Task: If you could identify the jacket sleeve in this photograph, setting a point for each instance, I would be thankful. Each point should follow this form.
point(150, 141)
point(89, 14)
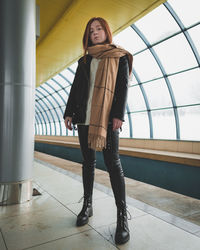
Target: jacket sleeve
point(121, 89)
point(70, 106)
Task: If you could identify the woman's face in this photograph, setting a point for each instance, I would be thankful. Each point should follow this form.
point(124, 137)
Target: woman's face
point(97, 33)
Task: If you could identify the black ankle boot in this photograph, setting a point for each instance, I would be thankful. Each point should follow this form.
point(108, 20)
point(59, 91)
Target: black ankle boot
point(86, 212)
point(122, 231)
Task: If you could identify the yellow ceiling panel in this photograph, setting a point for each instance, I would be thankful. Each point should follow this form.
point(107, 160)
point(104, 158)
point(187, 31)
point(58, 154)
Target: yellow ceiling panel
point(50, 13)
point(63, 23)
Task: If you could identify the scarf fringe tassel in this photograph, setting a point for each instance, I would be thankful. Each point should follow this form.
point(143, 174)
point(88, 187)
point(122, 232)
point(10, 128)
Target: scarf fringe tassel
point(96, 142)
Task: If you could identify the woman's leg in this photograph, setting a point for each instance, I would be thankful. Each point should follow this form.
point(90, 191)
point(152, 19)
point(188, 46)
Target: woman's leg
point(89, 164)
point(114, 167)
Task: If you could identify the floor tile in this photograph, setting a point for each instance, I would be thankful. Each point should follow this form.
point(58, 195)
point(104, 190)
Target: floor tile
point(88, 240)
point(2, 244)
point(194, 218)
point(38, 227)
point(40, 170)
point(150, 233)
point(40, 202)
point(185, 225)
point(100, 191)
point(104, 211)
point(197, 234)
point(46, 175)
point(180, 207)
point(62, 187)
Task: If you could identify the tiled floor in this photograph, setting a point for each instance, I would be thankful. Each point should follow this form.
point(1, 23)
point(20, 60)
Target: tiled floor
point(48, 220)
point(173, 203)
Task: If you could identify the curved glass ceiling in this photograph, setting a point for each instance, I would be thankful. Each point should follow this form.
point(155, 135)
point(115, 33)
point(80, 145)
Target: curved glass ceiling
point(164, 92)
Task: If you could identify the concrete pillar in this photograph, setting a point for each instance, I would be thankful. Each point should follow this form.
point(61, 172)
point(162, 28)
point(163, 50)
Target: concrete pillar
point(17, 86)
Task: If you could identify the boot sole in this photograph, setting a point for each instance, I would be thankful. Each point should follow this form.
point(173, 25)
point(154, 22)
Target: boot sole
point(121, 242)
point(82, 223)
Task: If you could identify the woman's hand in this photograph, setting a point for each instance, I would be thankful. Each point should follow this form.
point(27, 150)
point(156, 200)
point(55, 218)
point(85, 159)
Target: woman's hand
point(68, 122)
point(117, 123)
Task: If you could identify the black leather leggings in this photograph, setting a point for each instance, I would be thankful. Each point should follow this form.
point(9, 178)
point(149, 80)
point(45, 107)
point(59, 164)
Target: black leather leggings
point(111, 159)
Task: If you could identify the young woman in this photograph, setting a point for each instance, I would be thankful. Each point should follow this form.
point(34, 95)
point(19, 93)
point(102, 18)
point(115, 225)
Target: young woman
point(97, 104)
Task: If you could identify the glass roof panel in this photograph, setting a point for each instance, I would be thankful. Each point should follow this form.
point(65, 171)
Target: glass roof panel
point(158, 94)
point(38, 95)
point(58, 132)
point(39, 129)
point(186, 87)
point(164, 124)
point(60, 80)
point(64, 131)
point(54, 114)
point(146, 67)
point(53, 102)
point(48, 129)
point(66, 73)
point(50, 115)
point(155, 30)
point(53, 129)
point(44, 101)
point(195, 35)
point(38, 108)
point(133, 44)
point(140, 124)
point(53, 84)
point(59, 112)
point(63, 108)
point(45, 107)
point(135, 99)
point(175, 54)
point(58, 99)
point(43, 92)
point(74, 66)
point(45, 117)
point(49, 89)
point(189, 123)
point(187, 10)
point(132, 80)
point(63, 94)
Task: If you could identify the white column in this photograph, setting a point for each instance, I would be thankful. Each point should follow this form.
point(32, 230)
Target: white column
point(17, 86)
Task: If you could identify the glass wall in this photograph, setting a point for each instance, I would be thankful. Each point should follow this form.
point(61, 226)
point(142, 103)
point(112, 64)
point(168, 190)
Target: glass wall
point(164, 92)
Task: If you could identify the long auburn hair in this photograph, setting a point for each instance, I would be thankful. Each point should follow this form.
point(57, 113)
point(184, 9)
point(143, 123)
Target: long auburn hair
point(86, 37)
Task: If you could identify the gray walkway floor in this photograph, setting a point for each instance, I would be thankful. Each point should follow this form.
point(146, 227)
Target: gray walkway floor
point(48, 220)
point(182, 206)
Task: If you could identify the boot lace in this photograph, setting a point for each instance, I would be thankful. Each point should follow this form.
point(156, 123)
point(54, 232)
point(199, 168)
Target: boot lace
point(86, 200)
point(122, 221)
point(123, 214)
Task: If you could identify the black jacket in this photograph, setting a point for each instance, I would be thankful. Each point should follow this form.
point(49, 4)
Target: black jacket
point(77, 101)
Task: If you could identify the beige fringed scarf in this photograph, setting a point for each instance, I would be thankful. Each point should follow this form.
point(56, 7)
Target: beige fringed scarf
point(104, 88)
